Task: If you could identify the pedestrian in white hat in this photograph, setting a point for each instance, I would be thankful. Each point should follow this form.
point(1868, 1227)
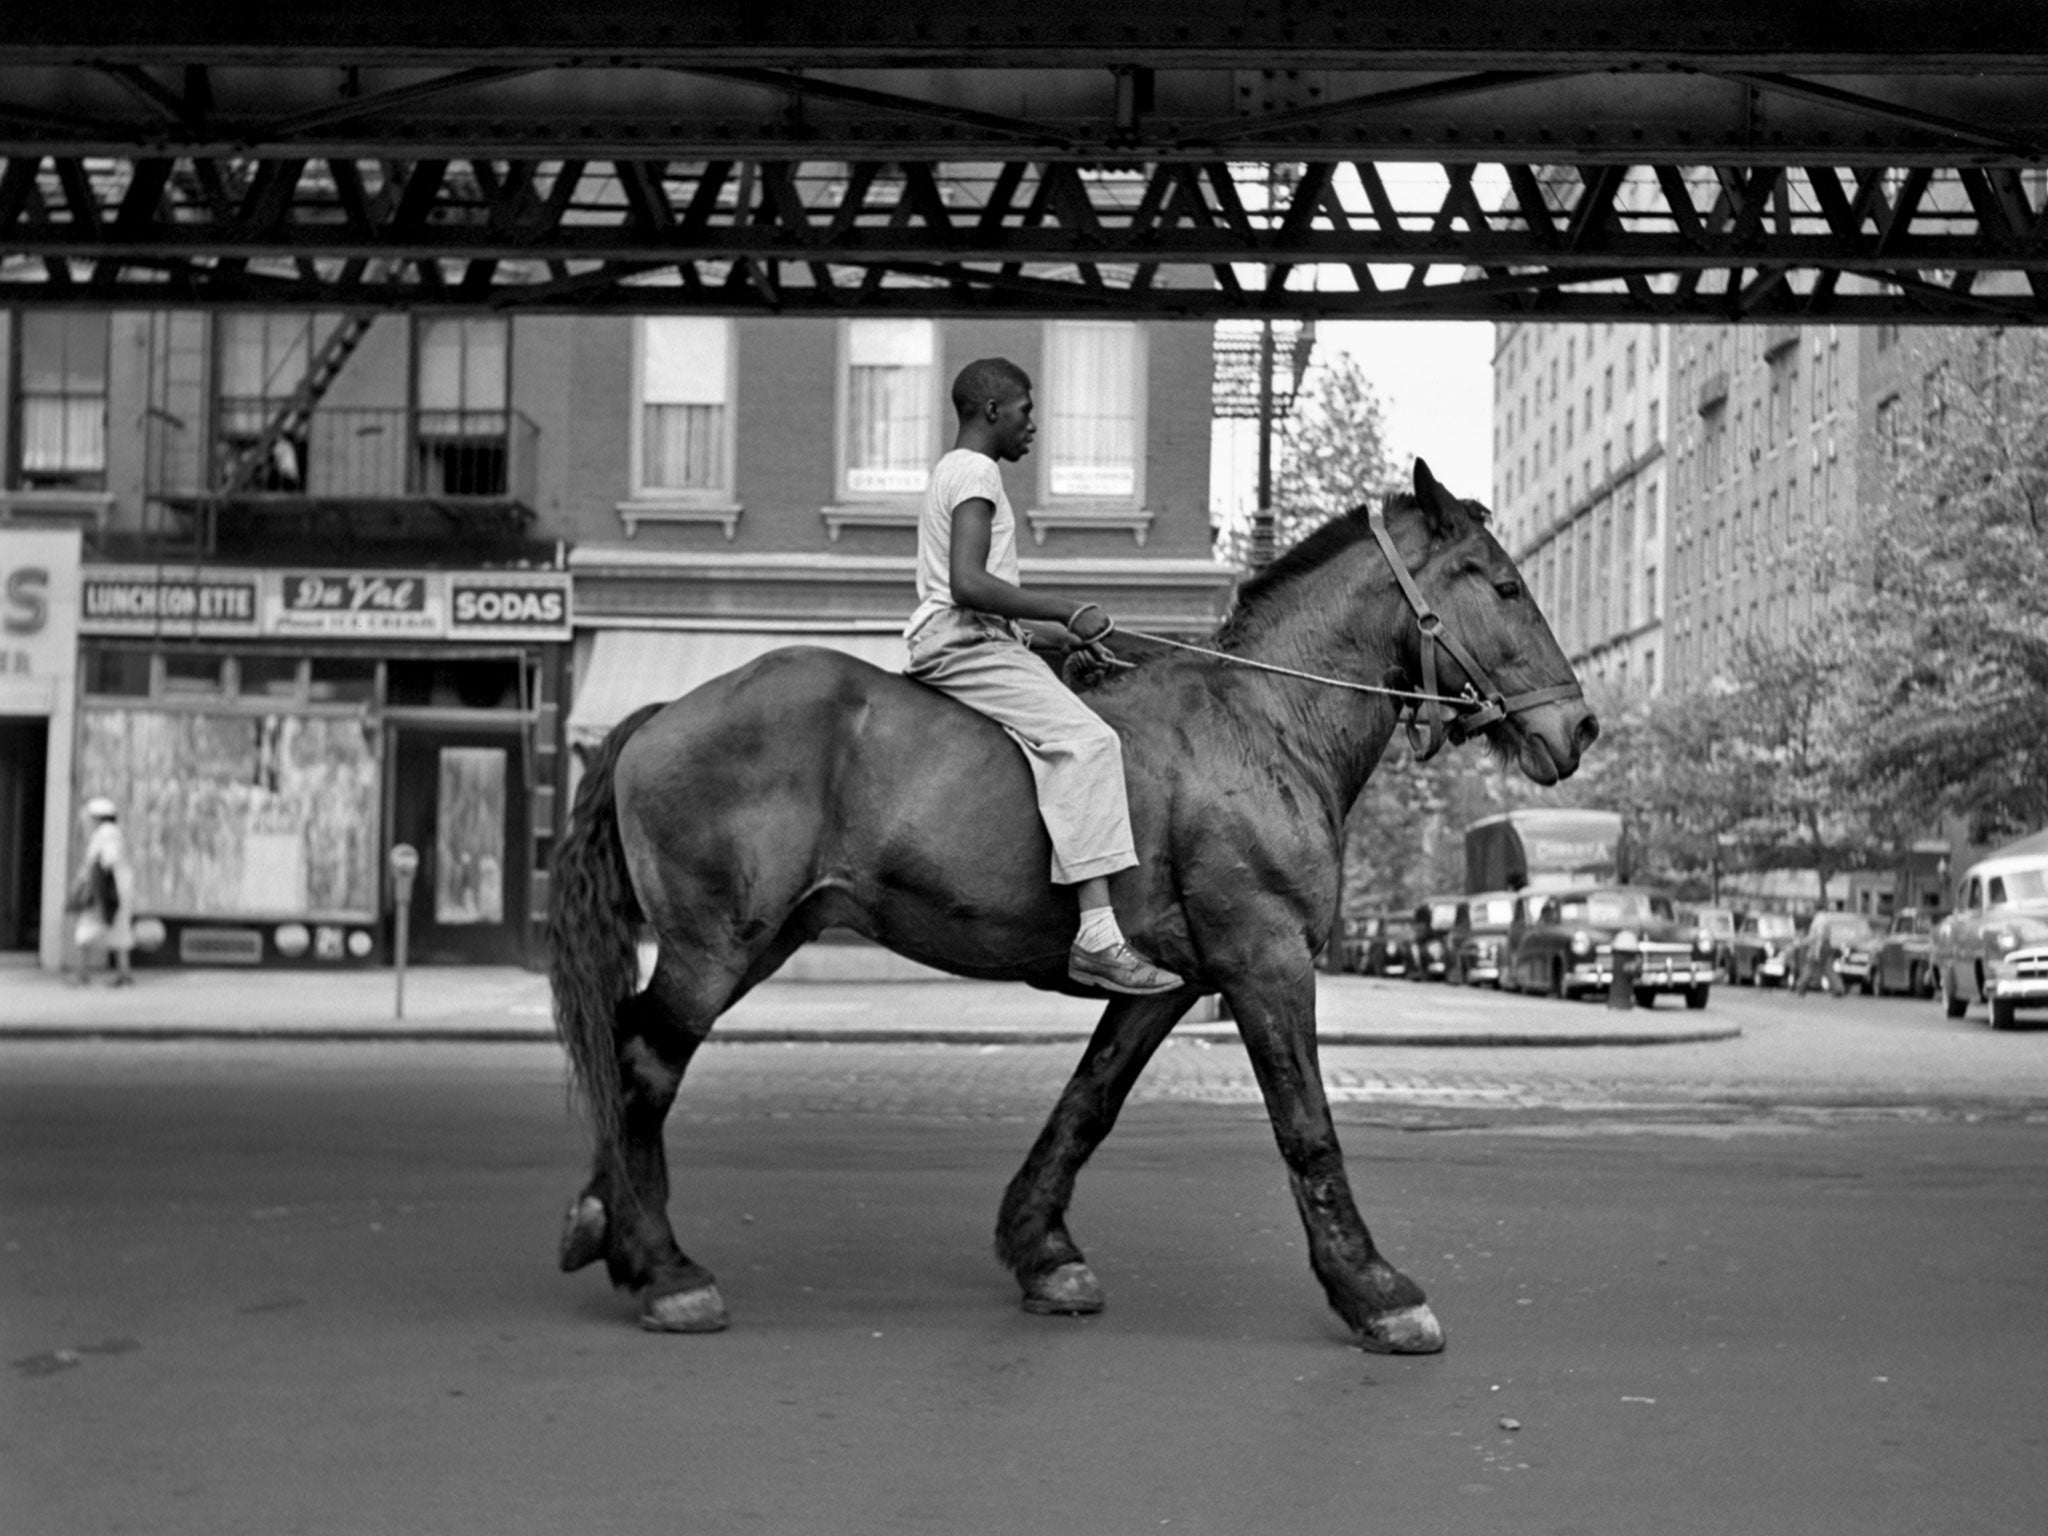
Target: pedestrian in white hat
point(103, 895)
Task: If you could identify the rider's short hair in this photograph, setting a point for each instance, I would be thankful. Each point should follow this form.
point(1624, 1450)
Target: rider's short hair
point(988, 379)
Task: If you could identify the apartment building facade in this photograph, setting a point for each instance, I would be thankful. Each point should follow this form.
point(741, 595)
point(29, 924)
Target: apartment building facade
point(307, 586)
point(1582, 487)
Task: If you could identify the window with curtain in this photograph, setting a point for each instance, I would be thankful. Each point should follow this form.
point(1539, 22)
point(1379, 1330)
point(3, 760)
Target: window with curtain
point(685, 373)
point(1091, 389)
point(464, 377)
point(63, 392)
point(891, 417)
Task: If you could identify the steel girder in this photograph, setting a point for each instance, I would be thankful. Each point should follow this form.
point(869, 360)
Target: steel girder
point(1867, 159)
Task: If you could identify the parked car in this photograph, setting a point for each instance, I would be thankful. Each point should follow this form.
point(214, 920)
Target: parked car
point(1760, 954)
point(1719, 923)
point(1528, 908)
point(1434, 920)
point(1378, 944)
point(1994, 946)
point(1569, 950)
point(1902, 962)
point(1479, 936)
point(1833, 937)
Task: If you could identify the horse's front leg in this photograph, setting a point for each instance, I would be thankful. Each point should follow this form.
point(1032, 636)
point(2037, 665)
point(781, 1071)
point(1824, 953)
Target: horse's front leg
point(1031, 1229)
point(1275, 1005)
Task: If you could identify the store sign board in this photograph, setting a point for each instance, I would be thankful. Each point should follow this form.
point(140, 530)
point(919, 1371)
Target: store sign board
point(38, 617)
point(152, 600)
point(375, 603)
point(508, 607)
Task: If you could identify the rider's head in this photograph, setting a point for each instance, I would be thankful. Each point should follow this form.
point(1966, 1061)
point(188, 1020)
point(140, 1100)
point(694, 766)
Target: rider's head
point(992, 397)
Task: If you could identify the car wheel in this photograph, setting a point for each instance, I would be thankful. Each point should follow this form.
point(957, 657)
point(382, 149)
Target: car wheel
point(1952, 1005)
point(1695, 998)
point(1646, 997)
point(2003, 1014)
point(1557, 978)
point(1870, 986)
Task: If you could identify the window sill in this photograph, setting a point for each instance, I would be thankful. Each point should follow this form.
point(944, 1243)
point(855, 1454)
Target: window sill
point(1136, 521)
point(652, 510)
point(92, 507)
point(868, 514)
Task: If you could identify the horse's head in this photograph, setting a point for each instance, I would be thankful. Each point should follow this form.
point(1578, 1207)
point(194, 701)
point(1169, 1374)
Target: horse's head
point(1489, 614)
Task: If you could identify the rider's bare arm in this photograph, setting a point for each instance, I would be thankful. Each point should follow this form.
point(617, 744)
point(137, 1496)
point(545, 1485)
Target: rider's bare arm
point(975, 587)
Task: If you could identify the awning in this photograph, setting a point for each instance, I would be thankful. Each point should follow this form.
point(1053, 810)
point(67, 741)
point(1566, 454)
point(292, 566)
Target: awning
point(631, 667)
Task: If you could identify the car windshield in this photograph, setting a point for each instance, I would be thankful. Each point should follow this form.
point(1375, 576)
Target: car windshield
point(1609, 909)
point(1850, 930)
point(1912, 922)
point(1500, 911)
point(1442, 914)
point(1774, 925)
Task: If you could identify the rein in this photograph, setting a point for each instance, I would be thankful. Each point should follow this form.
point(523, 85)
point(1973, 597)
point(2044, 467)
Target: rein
point(1426, 732)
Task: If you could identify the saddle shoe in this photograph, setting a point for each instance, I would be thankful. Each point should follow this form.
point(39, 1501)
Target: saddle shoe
point(1120, 969)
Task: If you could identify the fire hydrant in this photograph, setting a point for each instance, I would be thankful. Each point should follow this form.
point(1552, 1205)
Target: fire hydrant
point(1623, 968)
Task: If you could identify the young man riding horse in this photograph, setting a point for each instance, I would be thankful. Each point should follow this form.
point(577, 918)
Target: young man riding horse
point(966, 641)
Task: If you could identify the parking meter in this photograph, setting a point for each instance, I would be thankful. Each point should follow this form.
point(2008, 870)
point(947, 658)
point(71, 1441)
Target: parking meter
point(405, 864)
point(1623, 967)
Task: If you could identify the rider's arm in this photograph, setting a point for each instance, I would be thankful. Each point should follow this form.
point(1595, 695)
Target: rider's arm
point(975, 586)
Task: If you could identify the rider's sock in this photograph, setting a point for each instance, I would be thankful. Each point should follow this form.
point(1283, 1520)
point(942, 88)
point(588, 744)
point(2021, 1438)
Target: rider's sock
point(1099, 930)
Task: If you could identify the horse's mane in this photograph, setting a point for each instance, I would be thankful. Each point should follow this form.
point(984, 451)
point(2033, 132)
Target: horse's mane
point(1328, 541)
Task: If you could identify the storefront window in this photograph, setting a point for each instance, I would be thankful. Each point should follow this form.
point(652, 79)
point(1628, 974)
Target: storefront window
point(247, 814)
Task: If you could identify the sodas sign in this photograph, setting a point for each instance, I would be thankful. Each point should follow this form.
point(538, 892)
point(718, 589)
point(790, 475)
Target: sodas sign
point(529, 608)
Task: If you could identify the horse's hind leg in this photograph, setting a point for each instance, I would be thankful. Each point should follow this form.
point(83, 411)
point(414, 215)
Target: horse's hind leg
point(658, 1031)
point(1031, 1229)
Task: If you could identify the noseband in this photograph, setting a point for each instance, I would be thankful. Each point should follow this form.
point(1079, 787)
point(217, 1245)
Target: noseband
point(1481, 703)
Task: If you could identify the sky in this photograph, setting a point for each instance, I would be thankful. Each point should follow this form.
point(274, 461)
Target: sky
point(1435, 383)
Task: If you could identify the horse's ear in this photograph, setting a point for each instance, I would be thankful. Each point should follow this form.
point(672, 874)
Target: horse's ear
point(1438, 505)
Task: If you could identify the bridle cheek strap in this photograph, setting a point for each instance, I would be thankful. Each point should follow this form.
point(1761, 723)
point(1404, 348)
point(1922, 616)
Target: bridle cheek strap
point(1427, 725)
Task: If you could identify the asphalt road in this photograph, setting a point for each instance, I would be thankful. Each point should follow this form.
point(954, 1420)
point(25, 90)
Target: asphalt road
point(1786, 1283)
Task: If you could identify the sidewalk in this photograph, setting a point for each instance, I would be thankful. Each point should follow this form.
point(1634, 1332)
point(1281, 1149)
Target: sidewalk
point(501, 1003)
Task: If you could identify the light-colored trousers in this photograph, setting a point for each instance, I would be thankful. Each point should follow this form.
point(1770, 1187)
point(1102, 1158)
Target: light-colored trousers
point(1076, 760)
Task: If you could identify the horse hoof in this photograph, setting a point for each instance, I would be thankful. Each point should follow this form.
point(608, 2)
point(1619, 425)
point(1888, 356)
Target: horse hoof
point(1068, 1291)
point(1410, 1331)
point(583, 1233)
point(698, 1311)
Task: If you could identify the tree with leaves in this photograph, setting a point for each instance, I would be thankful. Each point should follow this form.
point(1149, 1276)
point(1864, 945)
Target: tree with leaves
point(1952, 636)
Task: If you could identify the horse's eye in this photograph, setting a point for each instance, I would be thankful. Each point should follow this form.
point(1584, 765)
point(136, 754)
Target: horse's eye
point(1508, 590)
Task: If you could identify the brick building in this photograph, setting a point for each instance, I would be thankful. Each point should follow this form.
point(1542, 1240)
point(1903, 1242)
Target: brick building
point(348, 581)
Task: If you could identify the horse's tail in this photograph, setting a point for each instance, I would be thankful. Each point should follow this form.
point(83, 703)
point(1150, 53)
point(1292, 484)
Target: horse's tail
point(593, 947)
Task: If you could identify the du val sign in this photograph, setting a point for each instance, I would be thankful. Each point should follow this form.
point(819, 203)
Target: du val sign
point(357, 603)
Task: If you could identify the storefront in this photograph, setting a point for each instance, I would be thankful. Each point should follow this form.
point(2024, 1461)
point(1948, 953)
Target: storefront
point(38, 660)
point(269, 735)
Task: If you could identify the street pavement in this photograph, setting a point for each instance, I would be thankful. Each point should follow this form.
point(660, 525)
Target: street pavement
point(1784, 1280)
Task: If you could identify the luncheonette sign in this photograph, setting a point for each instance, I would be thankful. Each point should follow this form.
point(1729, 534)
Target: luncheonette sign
point(419, 605)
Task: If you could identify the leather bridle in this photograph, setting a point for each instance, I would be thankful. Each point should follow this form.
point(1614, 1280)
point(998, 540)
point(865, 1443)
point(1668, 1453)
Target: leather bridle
point(1425, 720)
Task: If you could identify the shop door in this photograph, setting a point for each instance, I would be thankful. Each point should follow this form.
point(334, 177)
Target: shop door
point(24, 760)
point(459, 797)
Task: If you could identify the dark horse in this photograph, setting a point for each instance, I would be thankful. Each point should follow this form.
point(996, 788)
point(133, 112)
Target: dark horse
point(808, 789)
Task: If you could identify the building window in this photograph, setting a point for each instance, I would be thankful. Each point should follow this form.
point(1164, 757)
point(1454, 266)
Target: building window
point(1094, 408)
point(685, 421)
point(62, 388)
point(263, 359)
point(464, 390)
point(890, 416)
point(1888, 428)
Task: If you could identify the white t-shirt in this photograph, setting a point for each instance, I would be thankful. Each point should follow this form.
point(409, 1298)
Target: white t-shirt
point(961, 475)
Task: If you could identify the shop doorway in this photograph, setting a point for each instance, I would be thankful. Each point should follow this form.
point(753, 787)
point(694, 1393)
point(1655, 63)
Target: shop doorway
point(459, 797)
point(24, 763)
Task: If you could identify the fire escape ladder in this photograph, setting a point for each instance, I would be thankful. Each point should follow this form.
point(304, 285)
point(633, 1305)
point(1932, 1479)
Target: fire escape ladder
point(296, 412)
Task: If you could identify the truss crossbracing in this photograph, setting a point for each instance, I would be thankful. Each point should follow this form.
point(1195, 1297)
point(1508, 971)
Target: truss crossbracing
point(1299, 239)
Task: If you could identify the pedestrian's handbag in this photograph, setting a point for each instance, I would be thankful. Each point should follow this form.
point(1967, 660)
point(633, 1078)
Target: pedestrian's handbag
point(94, 891)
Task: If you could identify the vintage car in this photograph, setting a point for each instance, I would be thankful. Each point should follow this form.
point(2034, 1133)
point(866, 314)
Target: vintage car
point(1569, 950)
point(1434, 920)
point(1841, 939)
point(1378, 944)
point(1994, 947)
point(1479, 937)
point(1720, 925)
point(1760, 954)
point(1900, 962)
